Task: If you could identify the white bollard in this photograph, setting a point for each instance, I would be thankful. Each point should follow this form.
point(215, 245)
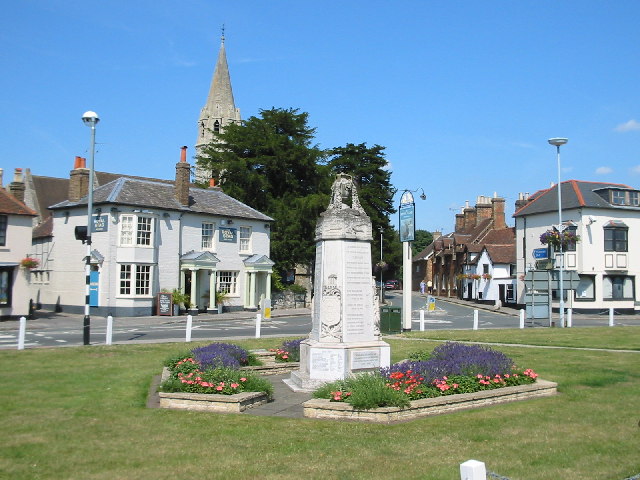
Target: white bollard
point(421, 320)
point(22, 332)
point(258, 324)
point(612, 322)
point(473, 470)
point(569, 317)
point(189, 325)
point(109, 330)
point(475, 319)
point(522, 313)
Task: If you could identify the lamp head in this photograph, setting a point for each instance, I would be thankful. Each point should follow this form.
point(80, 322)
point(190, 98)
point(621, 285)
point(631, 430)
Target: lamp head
point(556, 142)
point(90, 118)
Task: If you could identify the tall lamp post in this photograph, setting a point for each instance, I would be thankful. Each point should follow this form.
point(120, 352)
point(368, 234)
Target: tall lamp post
point(381, 265)
point(407, 235)
point(90, 119)
point(558, 142)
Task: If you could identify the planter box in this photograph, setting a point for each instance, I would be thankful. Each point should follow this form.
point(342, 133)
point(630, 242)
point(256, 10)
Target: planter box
point(211, 402)
point(322, 408)
point(270, 366)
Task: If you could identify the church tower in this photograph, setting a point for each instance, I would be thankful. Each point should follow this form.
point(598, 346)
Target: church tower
point(219, 110)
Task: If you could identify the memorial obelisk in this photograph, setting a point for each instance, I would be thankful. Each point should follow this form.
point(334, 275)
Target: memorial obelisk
point(345, 335)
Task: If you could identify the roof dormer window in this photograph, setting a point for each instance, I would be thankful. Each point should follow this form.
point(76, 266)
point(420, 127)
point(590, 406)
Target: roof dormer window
point(617, 197)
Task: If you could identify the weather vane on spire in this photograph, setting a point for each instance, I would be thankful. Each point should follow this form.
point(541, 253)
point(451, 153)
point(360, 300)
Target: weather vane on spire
point(223, 33)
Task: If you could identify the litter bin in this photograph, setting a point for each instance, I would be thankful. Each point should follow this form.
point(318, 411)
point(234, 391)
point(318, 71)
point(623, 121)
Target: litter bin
point(390, 319)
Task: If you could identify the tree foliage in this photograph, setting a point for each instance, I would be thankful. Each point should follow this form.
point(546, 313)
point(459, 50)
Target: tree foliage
point(270, 163)
point(422, 240)
point(368, 167)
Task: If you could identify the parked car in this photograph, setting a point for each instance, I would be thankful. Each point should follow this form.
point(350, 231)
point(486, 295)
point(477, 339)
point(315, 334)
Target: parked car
point(392, 285)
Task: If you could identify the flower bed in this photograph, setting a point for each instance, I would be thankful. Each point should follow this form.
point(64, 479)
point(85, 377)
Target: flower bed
point(327, 409)
point(473, 374)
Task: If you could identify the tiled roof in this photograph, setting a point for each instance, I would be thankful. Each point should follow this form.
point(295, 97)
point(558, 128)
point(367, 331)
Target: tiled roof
point(504, 236)
point(156, 194)
point(502, 253)
point(44, 229)
point(11, 206)
point(424, 253)
point(575, 194)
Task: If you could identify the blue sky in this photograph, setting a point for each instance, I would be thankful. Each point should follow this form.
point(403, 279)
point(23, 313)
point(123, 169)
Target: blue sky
point(463, 95)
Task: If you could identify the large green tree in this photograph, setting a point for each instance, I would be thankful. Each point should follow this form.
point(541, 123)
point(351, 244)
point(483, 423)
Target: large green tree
point(271, 163)
point(368, 167)
point(423, 239)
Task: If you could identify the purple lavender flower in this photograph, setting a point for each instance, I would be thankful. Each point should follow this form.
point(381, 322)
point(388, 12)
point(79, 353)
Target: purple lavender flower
point(221, 355)
point(454, 358)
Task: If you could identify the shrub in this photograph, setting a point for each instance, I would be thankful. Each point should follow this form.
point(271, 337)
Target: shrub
point(289, 351)
point(363, 392)
point(223, 355)
point(220, 380)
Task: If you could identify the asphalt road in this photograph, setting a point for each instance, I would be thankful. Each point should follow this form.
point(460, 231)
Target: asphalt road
point(66, 330)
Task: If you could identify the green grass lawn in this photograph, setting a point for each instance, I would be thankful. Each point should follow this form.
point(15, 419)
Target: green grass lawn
point(79, 413)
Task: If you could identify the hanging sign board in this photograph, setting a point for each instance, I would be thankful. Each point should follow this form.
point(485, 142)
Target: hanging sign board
point(407, 222)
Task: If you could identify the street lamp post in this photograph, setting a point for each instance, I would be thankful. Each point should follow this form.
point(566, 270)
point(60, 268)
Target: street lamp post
point(407, 235)
point(90, 119)
point(558, 142)
point(381, 265)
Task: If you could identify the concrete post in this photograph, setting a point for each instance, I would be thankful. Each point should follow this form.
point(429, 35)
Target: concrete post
point(522, 312)
point(422, 320)
point(475, 319)
point(473, 470)
point(189, 325)
point(109, 330)
point(611, 318)
point(22, 332)
point(258, 324)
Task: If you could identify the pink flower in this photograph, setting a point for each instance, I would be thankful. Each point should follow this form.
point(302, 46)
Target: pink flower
point(235, 385)
point(243, 379)
point(219, 388)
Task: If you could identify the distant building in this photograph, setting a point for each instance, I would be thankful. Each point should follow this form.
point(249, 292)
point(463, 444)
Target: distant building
point(606, 217)
point(476, 261)
point(15, 244)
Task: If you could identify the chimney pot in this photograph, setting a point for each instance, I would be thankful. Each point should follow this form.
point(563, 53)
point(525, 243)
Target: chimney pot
point(183, 155)
point(212, 182)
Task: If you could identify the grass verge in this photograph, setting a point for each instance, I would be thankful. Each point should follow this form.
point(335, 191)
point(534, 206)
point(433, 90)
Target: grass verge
point(79, 413)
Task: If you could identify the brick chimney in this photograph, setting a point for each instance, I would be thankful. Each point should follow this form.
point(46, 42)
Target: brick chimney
point(78, 180)
point(497, 209)
point(523, 199)
point(459, 223)
point(483, 209)
point(470, 216)
point(16, 188)
point(436, 235)
point(183, 178)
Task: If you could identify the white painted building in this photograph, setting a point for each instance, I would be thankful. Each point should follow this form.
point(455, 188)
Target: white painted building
point(489, 275)
point(15, 243)
point(151, 235)
point(606, 217)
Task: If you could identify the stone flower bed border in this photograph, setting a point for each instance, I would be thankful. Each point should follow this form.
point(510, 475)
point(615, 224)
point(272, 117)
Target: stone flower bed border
point(237, 403)
point(326, 409)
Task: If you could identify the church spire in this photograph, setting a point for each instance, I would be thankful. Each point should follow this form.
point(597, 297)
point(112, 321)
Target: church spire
point(220, 109)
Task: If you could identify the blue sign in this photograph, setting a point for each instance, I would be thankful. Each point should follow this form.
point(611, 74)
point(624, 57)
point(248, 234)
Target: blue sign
point(100, 224)
point(228, 234)
point(407, 222)
point(94, 284)
point(540, 253)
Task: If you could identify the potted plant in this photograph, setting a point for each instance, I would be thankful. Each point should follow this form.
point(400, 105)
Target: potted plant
point(221, 299)
point(554, 238)
point(29, 263)
point(181, 299)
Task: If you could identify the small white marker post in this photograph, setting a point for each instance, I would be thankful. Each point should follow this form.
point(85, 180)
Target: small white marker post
point(612, 322)
point(522, 312)
point(475, 319)
point(421, 320)
point(473, 470)
point(569, 317)
point(258, 324)
point(189, 325)
point(109, 330)
point(22, 332)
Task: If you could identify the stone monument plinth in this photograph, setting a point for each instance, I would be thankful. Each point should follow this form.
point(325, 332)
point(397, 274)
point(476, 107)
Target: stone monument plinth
point(345, 335)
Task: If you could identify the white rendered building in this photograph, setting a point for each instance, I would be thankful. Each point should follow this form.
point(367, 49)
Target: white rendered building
point(151, 235)
point(606, 217)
